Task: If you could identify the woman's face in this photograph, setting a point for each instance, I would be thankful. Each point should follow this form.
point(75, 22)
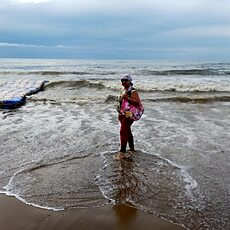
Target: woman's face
point(125, 83)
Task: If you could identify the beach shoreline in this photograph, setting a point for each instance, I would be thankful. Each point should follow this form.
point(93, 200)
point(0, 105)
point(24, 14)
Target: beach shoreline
point(14, 214)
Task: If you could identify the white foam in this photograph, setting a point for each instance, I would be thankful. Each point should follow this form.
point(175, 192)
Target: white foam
point(17, 196)
point(32, 204)
point(183, 86)
point(191, 183)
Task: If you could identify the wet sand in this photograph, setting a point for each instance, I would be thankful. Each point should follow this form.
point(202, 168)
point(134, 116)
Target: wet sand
point(16, 215)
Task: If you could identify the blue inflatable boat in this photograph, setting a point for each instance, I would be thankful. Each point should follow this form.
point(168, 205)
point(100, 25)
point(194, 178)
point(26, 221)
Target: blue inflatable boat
point(13, 94)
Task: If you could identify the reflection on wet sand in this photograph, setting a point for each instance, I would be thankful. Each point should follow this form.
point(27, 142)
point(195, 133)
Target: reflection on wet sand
point(126, 182)
point(127, 189)
point(150, 183)
point(125, 214)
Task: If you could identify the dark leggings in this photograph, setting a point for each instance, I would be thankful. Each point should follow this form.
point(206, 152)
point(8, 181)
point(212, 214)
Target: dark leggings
point(126, 135)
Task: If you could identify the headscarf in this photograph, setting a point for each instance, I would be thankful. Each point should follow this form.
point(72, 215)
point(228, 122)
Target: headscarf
point(127, 77)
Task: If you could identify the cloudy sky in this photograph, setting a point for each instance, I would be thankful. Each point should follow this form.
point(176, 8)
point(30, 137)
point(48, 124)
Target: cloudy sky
point(116, 29)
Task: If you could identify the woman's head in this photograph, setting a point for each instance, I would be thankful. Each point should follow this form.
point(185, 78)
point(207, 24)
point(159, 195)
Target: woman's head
point(126, 80)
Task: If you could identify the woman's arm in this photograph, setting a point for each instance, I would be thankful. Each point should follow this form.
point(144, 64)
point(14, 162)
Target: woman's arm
point(133, 98)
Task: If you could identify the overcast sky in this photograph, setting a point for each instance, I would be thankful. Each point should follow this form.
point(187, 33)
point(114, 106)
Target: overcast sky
point(116, 29)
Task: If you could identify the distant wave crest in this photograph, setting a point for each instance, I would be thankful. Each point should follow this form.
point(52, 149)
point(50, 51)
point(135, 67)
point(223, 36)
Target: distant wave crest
point(200, 72)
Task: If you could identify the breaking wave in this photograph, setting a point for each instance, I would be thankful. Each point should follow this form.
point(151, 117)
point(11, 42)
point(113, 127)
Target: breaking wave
point(198, 100)
point(142, 87)
point(75, 84)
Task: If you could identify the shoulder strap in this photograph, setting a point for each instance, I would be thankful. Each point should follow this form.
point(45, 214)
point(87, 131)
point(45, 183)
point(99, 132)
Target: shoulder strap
point(130, 91)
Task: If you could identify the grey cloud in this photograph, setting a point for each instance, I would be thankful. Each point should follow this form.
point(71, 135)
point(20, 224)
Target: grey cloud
point(119, 26)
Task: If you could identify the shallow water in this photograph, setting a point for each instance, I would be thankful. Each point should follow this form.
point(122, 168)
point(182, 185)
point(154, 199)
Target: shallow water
point(57, 150)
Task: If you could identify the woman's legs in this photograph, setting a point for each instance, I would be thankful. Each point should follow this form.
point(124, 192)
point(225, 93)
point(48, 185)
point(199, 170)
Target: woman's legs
point(126, 135)
point(130, 138)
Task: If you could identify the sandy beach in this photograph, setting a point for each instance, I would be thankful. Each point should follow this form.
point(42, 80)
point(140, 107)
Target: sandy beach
point(14, 214)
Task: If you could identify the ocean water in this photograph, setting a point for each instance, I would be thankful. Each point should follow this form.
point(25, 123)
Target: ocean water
point(57, 150)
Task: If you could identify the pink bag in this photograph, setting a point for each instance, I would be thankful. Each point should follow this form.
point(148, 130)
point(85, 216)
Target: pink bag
point(133, 112)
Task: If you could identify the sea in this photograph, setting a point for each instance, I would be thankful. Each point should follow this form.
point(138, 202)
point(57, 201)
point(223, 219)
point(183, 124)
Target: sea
point(57, 151)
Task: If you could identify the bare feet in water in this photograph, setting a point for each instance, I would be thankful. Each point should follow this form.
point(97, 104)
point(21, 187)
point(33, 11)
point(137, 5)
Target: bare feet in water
point(131, 151)
point(119, 156)
point(123, 155)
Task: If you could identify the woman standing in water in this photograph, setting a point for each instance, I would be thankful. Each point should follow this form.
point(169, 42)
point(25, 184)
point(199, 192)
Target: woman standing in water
point(130, 109)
